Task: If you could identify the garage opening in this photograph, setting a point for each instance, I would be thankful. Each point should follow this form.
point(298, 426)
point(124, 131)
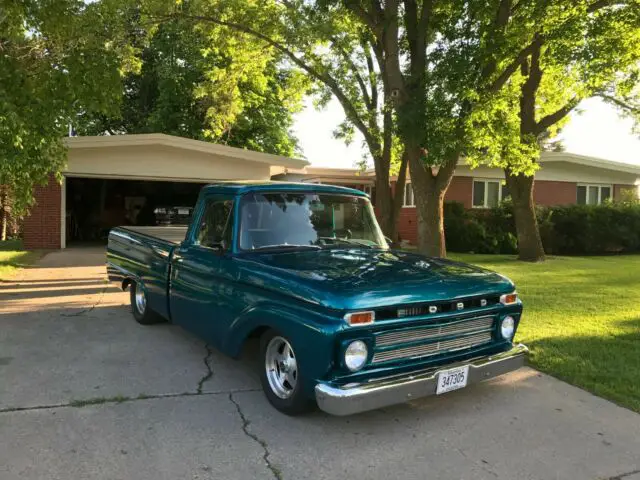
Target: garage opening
point(94, 206)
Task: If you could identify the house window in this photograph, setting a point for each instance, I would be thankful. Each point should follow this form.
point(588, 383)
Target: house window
point(593, 194)
point(409, 201)
point(488, 193)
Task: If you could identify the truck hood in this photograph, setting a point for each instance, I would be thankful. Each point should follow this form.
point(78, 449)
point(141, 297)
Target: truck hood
point(356, 279)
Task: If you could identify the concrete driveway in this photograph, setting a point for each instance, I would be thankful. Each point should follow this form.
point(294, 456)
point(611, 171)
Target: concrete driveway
point(85, 392)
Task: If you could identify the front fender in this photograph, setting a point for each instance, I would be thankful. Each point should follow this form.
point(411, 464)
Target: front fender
point(312, 334)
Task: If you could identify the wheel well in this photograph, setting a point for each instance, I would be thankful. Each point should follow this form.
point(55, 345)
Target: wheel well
point(257, 332)
point(126, 283)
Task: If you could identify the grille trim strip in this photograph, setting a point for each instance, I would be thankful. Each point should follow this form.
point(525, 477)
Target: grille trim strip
point(440, 330)
point(433, 348)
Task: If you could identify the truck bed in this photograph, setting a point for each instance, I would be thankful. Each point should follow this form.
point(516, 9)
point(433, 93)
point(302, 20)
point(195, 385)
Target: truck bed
point(171, 234)
point(144, 254)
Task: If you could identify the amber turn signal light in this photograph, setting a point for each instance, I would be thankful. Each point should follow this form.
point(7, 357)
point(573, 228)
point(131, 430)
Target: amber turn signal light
point(360, 318)
point(509, 298)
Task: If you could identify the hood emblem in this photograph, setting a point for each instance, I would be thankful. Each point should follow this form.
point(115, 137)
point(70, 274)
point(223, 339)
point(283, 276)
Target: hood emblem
point(459, 305)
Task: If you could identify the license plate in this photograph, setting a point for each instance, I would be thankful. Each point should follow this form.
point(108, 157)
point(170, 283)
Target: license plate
point(452, 379)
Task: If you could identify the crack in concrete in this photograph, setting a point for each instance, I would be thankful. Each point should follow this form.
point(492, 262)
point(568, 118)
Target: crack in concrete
point(90, 308)
point(623, 475)
point(209, 373)
point(121, 399)
point(245, 428)
point(483, 466)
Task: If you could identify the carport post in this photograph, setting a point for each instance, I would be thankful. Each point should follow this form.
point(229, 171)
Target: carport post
point(63, 213)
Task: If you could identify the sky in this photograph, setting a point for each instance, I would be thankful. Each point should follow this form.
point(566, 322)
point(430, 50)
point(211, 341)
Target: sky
point(596, 129)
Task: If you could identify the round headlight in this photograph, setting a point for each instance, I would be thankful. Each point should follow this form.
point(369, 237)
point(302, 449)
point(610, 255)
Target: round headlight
point(355, 356)
point(507, 328)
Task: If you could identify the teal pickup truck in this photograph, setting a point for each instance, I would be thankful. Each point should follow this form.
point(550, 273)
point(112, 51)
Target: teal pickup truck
point(344, 322)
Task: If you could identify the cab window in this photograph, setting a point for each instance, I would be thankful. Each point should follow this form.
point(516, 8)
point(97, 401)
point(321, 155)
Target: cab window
point(216, 225)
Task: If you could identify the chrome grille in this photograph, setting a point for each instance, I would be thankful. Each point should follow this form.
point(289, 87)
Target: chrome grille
point(405, 336)
point(433, 348)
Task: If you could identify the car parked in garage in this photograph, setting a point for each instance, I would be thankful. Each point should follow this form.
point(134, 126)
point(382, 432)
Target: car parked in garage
point(343, 320)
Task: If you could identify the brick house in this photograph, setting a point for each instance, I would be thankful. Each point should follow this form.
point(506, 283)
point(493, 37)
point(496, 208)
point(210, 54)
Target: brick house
point(564, 178)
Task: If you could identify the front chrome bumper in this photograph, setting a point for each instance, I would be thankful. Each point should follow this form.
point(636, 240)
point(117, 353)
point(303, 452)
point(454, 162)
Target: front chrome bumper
point(360, 397)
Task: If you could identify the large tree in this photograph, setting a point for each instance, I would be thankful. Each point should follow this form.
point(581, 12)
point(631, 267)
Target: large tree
point(436, 62)
point(577, 50)
point(328, 45)
point(56, 59)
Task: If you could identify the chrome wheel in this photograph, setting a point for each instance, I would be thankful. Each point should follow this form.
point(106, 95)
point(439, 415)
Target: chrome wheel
point(141, 300)
point(281, 367)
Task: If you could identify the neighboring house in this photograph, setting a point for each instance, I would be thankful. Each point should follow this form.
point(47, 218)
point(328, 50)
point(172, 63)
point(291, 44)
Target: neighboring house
point(115, 180)
point(564, 178)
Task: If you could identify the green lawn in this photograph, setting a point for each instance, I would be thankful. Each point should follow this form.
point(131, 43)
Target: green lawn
point(12, 257)
point(581, 319)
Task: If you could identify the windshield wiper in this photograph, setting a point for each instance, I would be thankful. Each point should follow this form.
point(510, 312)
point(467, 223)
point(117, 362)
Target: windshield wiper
point(350, 241)
point(286, 246)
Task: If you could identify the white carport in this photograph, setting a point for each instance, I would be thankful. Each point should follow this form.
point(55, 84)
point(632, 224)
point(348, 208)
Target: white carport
point(158, 158)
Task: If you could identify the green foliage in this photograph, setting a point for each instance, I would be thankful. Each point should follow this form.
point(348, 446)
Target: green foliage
point(585, 49)
point(200, 82)
point(480, 231)
point(594, 229)
point(565, 230)
point(56, 59)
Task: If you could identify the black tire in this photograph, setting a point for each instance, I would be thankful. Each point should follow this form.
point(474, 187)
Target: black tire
point(144, 315)
point(296, 403)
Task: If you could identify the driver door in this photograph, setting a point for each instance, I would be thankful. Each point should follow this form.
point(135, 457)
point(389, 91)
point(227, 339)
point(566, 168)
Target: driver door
point(199, 285)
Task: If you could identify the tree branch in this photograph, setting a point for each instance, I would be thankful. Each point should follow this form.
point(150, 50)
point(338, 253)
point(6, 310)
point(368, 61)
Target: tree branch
point(510, 69)
point(629, 107)
point(600, 4)
point(350, 110)
point(356, 73)
point(500, 21)
point(386, 34)
point(555, 117)
point(411, 24)
point(425, 16)
point(370, 19)
point(372, 74)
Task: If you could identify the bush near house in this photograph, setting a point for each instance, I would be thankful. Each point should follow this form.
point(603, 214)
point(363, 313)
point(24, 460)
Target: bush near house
point(565, 230)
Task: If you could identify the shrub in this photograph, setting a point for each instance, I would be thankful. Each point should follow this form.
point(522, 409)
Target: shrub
point(595, 229)
point(479, 231)
point(565, 230)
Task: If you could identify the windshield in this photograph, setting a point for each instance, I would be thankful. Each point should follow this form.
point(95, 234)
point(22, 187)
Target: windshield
point(307, 220)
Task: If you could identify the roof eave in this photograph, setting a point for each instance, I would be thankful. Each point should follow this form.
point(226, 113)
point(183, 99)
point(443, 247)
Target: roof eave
point(147, 139)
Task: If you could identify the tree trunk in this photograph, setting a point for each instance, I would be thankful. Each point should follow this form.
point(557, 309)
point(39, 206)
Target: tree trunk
point(429, 190)
point(3, 234)
point(530, 247)
point(4, 213)
point(388, 203)
point(384, 202)
point(431, 238)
